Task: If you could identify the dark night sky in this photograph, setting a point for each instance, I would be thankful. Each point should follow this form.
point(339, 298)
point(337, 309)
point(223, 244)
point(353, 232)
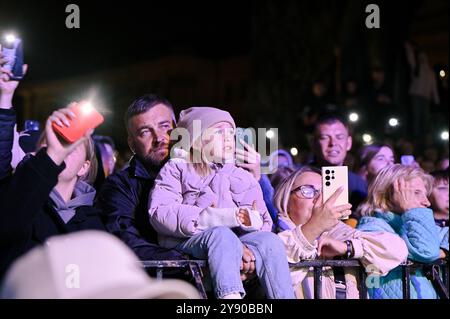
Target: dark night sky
point(288, 43)
point(116, 34)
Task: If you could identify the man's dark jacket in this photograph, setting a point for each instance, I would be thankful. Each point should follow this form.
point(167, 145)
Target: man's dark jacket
point(123, 200)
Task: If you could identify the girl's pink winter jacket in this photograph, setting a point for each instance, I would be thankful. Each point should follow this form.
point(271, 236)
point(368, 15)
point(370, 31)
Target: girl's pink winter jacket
point(180, 195)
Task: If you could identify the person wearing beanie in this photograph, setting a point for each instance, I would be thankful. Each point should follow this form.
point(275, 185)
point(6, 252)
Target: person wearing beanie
point(204, 205)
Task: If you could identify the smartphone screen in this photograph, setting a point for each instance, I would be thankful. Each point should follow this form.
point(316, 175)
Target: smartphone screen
point(87, 118)
point(407, 160)
point(334, 177)
point(12, 50)
point(246, 135)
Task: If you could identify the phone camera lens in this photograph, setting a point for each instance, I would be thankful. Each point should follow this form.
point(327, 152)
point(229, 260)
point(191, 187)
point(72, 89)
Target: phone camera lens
point(327, 183)
point(332, 172)
point(327, 172)
point(332, 177)
point(327, 178)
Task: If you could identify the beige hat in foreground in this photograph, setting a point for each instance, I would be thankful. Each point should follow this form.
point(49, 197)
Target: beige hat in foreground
point(87, 265)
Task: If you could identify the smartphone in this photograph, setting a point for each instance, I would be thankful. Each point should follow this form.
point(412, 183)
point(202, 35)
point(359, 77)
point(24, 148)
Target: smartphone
point(87, 117)
point(334, 177)
point(31, 125)
point(407, 160)
point(12, 50)
point(247, 135)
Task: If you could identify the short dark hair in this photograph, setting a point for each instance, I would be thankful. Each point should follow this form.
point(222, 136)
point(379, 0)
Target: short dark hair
point(330, 118)
point(440, 175)
point(143, 104)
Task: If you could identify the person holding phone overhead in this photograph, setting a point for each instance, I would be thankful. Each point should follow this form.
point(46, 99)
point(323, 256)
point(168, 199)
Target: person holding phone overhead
point(50, 193)
point(12, 56)
point(315, 231)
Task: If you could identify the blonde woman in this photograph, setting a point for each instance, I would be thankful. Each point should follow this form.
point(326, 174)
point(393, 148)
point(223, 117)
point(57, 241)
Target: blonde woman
point(49, 194)
point(399, 204)
point(317, 232)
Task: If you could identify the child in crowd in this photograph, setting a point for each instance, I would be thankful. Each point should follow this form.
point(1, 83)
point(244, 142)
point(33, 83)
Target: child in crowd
point(204, 205)
point(439, 197)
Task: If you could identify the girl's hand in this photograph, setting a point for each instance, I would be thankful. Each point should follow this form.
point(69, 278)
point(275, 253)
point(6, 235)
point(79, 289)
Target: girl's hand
point(249, 159)
point(244, 217)
point(405, 197)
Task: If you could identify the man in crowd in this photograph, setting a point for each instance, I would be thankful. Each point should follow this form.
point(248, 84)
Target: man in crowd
point(332, 141)
point(123, 197)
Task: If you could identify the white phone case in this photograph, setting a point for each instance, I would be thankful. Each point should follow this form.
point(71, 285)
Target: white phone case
point(334, 177)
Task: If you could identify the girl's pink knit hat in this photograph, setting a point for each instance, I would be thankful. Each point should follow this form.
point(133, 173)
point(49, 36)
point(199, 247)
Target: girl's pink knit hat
point(207, 117)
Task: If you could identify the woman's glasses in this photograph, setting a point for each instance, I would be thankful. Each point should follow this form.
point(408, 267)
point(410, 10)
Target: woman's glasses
point(307, 191)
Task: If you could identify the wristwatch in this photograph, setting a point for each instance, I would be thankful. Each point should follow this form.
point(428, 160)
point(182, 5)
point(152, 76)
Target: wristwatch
point(350, 250)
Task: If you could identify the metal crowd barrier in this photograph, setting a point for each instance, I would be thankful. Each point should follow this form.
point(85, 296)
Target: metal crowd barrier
point(317, 266)
point(431, 271)
point(194, 267)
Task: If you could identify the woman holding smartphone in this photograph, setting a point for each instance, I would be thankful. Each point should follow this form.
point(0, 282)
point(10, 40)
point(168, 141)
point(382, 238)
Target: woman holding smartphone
point(315, 231)
point(50, 193)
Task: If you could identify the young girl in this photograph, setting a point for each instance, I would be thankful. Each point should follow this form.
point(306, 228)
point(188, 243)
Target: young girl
point(205, 206)
point(399, 204)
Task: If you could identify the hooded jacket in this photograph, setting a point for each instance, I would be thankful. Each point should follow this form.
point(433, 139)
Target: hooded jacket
point(83, 195)
point(180, 204)
point(123, 200)
point(28, 215)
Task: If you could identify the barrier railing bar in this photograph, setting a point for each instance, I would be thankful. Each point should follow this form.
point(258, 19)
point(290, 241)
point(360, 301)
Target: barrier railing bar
point(317, 282)
point(405, 281)
point(362, 284)
point(407, 267)
point(197, 273)
point(172, 263)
